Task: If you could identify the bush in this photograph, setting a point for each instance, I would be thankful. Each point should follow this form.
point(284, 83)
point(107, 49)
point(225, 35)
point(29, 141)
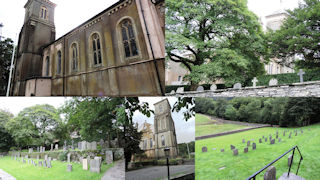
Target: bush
point(63, 155)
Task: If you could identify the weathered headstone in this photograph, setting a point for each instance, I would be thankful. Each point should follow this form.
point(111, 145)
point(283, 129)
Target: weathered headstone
point(40, 163)
point(300, 74)
point(180, 90)
point(69, 157)
point(204, 149)
point(51, 147)
point(49, 163)
point(83, 145)
point(56, 147)
point(72, 144)
point(44, 149)
point(109, 155)
point(277, 136)
point(44, 163)
point(95, 165)
point(248, 143)
point(270, 173)
point(235, 152)
point(237, 86)
point(290, 160)
point(243, 141)
point(245, 150)
point(254, 146)
point(254, 82)
point(94, 145)
point(213, 87)
point(222, 150)
point(172, 92)
point(272, 141)
point(30, 150)
point(273, 82)
point(88, 146)
point(69, 167)
point(38, 150)
point(232, 147)
point(260, 141)
point(200, 89)
point(85, 164)
point(265, 139)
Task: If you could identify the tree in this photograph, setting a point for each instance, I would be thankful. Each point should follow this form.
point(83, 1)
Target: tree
point(6, 140)
point(299, 35)
point(215, 39)
point(5, 116)
point(6, 47)
point(34, 125)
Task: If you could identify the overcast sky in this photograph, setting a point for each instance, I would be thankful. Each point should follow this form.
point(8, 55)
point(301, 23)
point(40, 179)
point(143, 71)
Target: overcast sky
point(71, 13)
point(185, 130)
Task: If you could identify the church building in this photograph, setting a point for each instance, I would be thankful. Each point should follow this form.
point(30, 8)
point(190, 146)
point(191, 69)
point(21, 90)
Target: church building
point(160, 135)
point(119, 52)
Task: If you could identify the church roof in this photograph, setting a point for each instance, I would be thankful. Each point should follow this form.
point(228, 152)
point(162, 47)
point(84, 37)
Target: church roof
point(141, 127)
point(278, 12)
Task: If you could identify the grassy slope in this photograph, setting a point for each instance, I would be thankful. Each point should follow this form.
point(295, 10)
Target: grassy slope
point(207, 129)
point(244, 165)
point(58, 171)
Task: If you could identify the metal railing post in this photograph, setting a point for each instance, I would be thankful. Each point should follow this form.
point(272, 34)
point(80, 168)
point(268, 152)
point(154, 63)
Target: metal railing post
point(291, 161)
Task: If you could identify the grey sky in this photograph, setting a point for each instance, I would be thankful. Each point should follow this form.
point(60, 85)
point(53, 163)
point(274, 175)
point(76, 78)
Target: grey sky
point(68, 14)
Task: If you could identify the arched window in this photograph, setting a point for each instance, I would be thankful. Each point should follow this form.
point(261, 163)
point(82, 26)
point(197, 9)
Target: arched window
point(59, 62)
point(128, 39)
point(163, 142)
point(44, 12)
point(47, 65)
point(74, 56)
point(96, 49)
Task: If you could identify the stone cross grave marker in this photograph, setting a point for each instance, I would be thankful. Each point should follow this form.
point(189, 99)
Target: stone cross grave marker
point(204, 149)
point(232, 147)
point(273, 82)
point(235, 152)
point(200, 89)
point(254, 82)
point(213, 87)
point(270, 173)
point(237, 86)
point(254, 146)
point(245, 150)
point(180, 90)
point(300, 74)
point(109, 156)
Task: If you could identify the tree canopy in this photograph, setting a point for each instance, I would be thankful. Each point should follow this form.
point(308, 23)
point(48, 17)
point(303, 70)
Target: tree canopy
point(299, 35)
point(6, 47)
point(215, 39)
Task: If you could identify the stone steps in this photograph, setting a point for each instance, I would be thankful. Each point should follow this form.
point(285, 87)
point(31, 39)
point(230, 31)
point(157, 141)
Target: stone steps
point(291, 177)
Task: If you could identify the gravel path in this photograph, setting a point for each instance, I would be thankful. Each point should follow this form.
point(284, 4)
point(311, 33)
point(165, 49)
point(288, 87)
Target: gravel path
point(6, 176)
point(117, 172)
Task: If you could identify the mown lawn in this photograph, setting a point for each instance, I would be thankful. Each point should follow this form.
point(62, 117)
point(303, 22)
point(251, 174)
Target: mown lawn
point(202, 128)
point(244, 165)
point(58, 171)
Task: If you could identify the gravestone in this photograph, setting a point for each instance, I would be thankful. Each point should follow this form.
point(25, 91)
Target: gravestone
point(44, 149)
point(248, 143)
point(279, 140)
point(204, 149)
point(277, 136)
point(172, 92)
point(222, 150)
point(301, 131)
point(235, 152)
point(109, 155)
point(79, 146)
point(65, 145)
point(40, 163)
point(200, 89)
point(262, 137)
point(213, 87)
point(69, 157)
point(232, 147)
point(265, 139)
point(101, 143)
point(180, 90)
point(254, 146)
point(38, 150)
point(95, 165)
point(300, 74)
point(30, 150)
point(83, 145)
point(237, 86)
point(245, 150)
point(273, 82)
point(44, 163)
point(243, 141)
point(72, 144)
point(49, 163)
point(289, 136)
point(260, 141)
point(45, 157)
point(290, 160)
point(254, 82)
point(51, 147)
point(69, 167)
point(272, 141)
point(94, 145)
point(56, 147)
point(88, 146)
point(270, 173)
point(85, 164)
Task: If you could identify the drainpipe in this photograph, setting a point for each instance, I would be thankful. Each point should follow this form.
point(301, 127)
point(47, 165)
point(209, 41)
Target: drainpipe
point(154, 60)
point(64, 65)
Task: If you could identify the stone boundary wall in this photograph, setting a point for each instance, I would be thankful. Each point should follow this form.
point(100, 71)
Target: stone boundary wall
point(224, 121)
point(230, 132)
point(305, 89)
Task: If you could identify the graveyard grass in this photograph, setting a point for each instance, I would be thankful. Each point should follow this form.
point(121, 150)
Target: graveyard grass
point(244, 165)
point(27, 171)
point(206, 126)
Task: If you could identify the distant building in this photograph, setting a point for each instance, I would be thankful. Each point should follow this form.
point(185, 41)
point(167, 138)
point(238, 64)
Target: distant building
point(175, 74)
point(161, 135)
point(118, 52)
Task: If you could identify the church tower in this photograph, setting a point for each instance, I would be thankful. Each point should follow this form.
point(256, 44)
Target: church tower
point(165, 133)
point(37, 32)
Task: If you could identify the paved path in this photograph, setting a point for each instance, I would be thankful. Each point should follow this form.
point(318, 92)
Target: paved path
point(158, 172)
point(6, 176)
point(116, 172)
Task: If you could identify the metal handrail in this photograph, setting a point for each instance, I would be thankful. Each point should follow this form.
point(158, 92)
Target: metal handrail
point(292, 149)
